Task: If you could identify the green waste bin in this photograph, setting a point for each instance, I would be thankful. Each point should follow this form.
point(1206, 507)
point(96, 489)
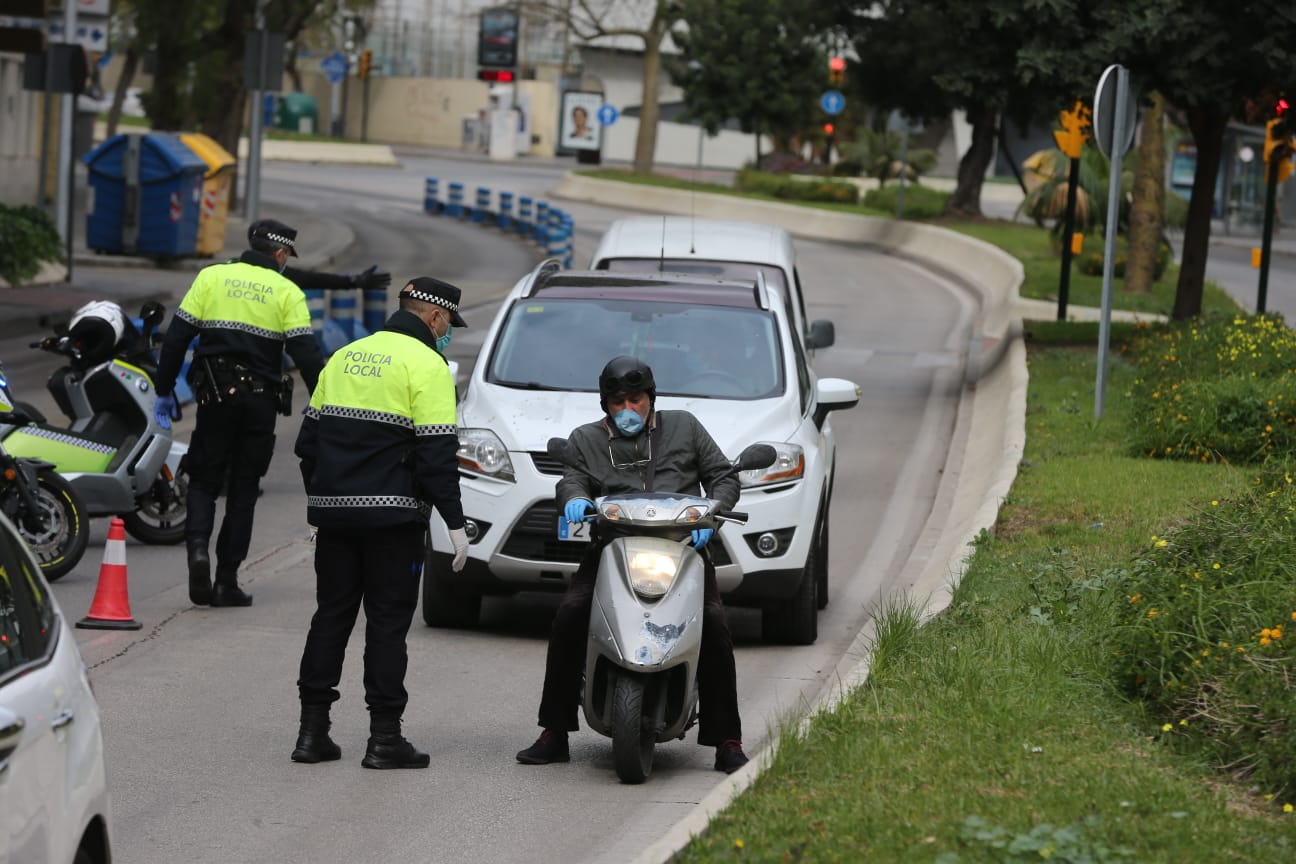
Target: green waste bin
point(298, 112)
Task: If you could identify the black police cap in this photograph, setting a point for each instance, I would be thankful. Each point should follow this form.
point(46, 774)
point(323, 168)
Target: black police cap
point(431, 290)
point(275, 232)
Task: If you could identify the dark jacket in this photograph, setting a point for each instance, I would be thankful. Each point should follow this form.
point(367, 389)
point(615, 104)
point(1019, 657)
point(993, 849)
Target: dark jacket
point(246, 309)
point(687, 460)
point(379, 443)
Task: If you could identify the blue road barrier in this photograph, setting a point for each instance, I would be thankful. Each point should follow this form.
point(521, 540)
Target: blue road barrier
point(482, 207)
point(375, 309)
point(524, 215)
point(454, 207)
point(542, 222)
point(505, 218)
point(430, 202)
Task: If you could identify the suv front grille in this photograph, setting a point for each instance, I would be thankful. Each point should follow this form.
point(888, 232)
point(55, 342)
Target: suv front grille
point(546, 464)
point(534, 538)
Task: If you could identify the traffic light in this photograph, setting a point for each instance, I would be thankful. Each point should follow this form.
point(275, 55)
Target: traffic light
point(1278, 145)
point(836, 70)
point(828, 129)
point(366, 61)
point(497, 76)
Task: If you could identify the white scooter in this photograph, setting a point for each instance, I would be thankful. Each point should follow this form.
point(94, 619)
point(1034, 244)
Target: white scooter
point(645, 630)
point(114, 453)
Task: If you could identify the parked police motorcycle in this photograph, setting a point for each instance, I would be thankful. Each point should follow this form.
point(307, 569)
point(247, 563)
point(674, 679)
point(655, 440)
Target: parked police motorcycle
point(645, 630)
point(39, 501)
point(114, 453)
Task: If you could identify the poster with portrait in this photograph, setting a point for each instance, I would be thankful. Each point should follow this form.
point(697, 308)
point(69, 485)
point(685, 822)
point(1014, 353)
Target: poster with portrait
point(578, 127)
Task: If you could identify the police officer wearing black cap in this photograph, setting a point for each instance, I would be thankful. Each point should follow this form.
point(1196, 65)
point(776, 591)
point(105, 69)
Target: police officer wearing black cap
point(245, 313)
point(371, 279)
point(378, 449)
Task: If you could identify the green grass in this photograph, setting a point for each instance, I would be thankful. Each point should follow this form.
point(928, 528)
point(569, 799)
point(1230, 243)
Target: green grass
point(997, 726)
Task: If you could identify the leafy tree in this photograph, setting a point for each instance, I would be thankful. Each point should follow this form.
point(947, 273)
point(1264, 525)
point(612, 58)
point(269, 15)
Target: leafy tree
point(1207, 59)
point(591, 20)
point(1015, 59)
point(761, 61)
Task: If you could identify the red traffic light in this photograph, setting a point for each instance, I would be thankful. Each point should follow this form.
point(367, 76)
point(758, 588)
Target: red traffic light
point(497, 76)
point(837, 64)
point(828, 128)
point(1281, 108)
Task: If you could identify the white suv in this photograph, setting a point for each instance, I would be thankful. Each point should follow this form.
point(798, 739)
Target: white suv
point(724, 350)
point(53, 793)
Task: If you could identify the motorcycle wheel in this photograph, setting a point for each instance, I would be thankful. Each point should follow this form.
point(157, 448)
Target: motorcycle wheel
point(159, 517)
point(632, 746)
point(64, 529)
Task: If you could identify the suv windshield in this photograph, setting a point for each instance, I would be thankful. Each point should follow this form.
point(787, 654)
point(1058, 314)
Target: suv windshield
point(721, 352)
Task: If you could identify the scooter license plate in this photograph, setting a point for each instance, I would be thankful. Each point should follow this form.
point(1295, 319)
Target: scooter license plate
point(573, 532)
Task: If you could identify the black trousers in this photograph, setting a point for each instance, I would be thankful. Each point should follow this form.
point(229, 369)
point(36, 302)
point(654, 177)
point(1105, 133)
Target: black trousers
point(718, 719)
point(379, 567)
point(232, 440)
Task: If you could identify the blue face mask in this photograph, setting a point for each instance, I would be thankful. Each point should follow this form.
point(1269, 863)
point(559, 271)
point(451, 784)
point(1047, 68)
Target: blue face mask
point(628, 421)
point(443, 342)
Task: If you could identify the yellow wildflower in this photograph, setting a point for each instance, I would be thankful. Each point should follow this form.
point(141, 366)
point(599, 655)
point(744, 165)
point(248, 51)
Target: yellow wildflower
point(1166, 728)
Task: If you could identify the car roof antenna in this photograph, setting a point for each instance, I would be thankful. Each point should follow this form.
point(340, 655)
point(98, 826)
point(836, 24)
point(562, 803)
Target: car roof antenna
point(661, 262)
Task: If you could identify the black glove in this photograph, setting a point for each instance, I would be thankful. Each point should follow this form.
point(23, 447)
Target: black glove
point(372, 279)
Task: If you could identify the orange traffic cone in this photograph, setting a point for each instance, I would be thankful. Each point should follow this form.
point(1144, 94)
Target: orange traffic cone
point(110, 609)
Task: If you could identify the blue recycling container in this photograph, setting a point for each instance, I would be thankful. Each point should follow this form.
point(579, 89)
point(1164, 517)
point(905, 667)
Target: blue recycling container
point(145, 196)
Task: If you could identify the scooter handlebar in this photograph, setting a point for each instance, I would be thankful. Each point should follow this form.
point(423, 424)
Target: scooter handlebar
point(58, 345)
point(735, 516)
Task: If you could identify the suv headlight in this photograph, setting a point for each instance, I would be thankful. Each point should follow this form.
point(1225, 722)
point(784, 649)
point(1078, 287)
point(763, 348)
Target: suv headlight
point(482, 452)
point(788, 467)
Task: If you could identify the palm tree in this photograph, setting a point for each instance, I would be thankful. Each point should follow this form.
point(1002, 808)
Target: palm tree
point(879, 156)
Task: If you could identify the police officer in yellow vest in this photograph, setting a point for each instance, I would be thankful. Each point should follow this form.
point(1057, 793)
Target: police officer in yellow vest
point(245, 313)
point(378, 449)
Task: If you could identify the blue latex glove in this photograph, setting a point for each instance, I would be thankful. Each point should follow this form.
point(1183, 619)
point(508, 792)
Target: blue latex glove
point(702, 536)
point(576, 509)
point(164, 409)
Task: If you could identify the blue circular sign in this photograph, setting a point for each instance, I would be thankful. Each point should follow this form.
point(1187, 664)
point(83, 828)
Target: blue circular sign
point(607, 115)
point(832, 102)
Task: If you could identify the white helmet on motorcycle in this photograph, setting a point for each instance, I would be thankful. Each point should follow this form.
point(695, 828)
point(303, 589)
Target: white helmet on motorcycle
point(96, 329)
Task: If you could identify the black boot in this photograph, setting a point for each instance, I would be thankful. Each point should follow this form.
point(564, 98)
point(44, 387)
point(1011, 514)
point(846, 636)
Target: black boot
point(313, 741)
point(389, 749)
point(551, 746)
point(227, 592)
point(200, 586)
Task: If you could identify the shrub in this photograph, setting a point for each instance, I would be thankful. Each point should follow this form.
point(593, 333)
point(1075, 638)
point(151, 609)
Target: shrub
point(1205, 633)
point(1091, 263)
point(1221, 390)
point(27, 238)
point(792, 189)
point(920, 202)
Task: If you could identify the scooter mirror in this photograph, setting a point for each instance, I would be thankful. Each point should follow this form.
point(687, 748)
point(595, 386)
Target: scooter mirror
point(559, 449)
point(152, 313)
point(757, 456)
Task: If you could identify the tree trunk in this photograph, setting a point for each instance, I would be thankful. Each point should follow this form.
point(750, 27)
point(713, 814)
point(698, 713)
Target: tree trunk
point(129, 64)
point(1147, 209)
point(1207, 124)
point(649, 111)
point(171, 75)
point(966, 200)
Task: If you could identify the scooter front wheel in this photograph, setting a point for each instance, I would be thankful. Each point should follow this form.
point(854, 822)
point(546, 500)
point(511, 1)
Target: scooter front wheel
point(632, 744)
point(159, 517)
point(59, 531)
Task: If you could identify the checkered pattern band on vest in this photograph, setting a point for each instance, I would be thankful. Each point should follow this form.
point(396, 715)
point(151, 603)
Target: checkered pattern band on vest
point(281, 240)
point(430, 298)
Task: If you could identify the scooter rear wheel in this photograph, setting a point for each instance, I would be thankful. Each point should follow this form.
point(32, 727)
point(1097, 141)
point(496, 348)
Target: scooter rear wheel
point(159, 517)
point(632, 745)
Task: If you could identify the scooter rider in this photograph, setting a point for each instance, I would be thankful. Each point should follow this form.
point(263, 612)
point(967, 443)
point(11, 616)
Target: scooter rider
point(245, 313)
point(631, 449)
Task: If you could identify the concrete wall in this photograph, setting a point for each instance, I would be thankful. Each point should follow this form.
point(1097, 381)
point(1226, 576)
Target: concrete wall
point(19, 135)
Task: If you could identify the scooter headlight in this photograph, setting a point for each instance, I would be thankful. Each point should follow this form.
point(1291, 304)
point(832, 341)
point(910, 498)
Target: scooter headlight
point(653, 573)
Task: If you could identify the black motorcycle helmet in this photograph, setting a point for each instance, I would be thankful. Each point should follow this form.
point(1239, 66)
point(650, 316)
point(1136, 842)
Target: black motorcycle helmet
point(626, 375)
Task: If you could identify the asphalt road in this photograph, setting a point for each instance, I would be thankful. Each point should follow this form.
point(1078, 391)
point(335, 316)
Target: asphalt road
point(200, 705)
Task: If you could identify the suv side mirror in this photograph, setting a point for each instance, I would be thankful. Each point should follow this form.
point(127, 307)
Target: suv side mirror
point(834, 394)
point(822, 334)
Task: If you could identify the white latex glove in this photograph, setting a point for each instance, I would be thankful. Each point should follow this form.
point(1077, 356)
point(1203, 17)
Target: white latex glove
point(459, 537)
